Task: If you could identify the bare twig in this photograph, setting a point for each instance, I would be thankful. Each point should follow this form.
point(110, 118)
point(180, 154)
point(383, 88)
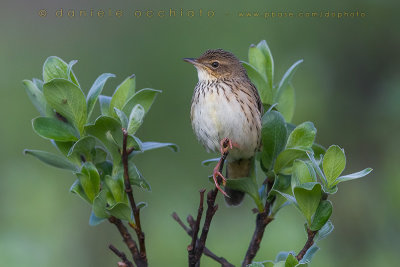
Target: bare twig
point(308, 244)
point(121, 255)
point(135, 210)
point(130, 243)
point(195, 232)
point(197, 245)
point(206, 251)
point(262, 220)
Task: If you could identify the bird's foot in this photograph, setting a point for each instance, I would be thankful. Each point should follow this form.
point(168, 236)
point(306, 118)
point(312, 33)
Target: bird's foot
point(217, 174)
point(227, 144)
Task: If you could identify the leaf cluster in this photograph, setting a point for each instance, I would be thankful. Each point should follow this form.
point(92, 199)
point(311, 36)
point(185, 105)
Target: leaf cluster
point(91, 149)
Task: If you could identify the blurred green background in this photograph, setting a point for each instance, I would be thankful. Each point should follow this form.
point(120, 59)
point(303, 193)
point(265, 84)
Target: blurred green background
point(348, 86)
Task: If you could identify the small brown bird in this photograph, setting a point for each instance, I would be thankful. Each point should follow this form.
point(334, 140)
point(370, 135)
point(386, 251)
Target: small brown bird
point(226, 107)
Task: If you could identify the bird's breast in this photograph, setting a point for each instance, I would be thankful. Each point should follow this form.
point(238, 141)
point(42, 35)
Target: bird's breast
point(218, 112)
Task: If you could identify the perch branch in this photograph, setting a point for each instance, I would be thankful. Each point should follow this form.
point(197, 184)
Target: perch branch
point(197, 245)
point(206, 251)
point(121, 255)
point(195, 231)
point(307, 245)
point(262, 220)
point(130, 243)
point(135, 210)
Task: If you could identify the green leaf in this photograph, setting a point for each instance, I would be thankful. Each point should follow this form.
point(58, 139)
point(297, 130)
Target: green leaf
point(136, 178)
point(333, 164)
point(123, 92)
point(302, 136)
point(308, 197)
point(154, 145)
point(70, 73)
point(135, 119)
point(115, 185)
point(135, 143)
point(122, 118)
point(95, 91)
point(263, 46)
point(104, 104)
point(260, 82)
point(318, 170)
point(94, 220)
point(107, 130)
point(55, 68)
point(287, 77)
point(258, 60)
point(256, 264)
point(309, 254)
point(144, 97)
point(282, 256)
point(247, 185)
point(302, 173)
point(52, 159)
point(77, 188)
point(291, 261)
point(89, 178)
point(352, 176)
point(84, 147)
point(324, 231)
point(286, 158)
point(322, 215)
point(68, 100)
point(121, 211)
point(286, 100)
point(273, 135)
point(38, 83)
point(36, 96)
point(208, 162)
point(100, 204)
point(52, 128)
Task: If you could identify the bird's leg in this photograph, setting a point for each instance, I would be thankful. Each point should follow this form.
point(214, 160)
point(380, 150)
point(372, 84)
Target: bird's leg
point(225, 145)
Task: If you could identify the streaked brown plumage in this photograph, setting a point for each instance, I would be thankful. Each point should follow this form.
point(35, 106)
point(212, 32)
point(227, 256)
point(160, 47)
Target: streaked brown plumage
point(226, 104)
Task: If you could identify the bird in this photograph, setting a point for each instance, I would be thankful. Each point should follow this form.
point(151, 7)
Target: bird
point(226, 113)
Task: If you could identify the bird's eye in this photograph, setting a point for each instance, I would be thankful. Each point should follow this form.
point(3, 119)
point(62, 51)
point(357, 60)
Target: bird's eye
point(215, 64)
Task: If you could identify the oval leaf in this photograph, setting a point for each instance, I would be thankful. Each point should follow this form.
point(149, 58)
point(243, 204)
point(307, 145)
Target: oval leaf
point(322, 215)
point(36, 96)
point(308, 197)
point(333, 164)
point(52, 128)
point(135, 119)
point(144, 97)
point(95, 91)
point(302, 136)
point(52, 159)
point(123, 92)
point(273, 135)
point(68, 100)
point(260, 82)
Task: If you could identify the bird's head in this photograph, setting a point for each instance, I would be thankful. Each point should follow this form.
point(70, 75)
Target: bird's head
point(217, 64)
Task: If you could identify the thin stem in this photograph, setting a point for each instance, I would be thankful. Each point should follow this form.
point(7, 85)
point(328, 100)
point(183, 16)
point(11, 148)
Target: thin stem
point(308, 244)
point(195, 232)
point(135, 210)
point(121, 255)
point(206, 251)
point(262, 220)
point(128, 240)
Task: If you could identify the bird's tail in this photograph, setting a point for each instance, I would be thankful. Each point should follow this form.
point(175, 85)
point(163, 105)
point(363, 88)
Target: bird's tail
point(237, 169)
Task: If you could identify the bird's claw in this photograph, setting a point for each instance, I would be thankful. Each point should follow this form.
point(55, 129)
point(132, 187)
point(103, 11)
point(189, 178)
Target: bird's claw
point(226, 144)
point(217, 174)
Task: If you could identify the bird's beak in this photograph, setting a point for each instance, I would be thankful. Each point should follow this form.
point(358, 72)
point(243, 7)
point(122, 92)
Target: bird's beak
point(191, 61)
